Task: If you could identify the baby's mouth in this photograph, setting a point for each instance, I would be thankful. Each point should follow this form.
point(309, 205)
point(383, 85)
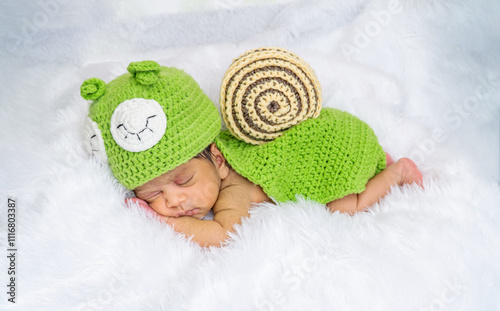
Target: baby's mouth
point(190, 212)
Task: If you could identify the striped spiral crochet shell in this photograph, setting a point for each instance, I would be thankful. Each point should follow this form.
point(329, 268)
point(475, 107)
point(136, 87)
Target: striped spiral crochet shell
point(266, 91)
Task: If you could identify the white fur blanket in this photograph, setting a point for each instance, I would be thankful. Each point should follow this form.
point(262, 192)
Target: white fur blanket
point(424, 74)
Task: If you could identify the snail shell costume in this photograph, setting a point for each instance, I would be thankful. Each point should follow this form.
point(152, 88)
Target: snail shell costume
point(279, 138)
point(265, 92)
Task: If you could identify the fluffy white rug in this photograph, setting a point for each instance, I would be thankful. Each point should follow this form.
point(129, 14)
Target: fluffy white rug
point(423, 74)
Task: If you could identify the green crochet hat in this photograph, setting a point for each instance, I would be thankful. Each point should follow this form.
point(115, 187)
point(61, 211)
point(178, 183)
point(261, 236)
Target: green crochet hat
point(148, 121)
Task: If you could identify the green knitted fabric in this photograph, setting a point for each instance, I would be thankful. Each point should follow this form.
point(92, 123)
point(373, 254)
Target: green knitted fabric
point(141, 145)
point(321, 159)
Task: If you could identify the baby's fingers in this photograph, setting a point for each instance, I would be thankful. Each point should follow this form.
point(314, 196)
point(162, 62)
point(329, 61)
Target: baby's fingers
point(141, 203)
point(145, 207)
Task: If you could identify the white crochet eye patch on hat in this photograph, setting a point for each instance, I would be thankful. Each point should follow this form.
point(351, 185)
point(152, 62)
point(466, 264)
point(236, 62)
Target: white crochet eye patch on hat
point(138, 124)
point(93, 140)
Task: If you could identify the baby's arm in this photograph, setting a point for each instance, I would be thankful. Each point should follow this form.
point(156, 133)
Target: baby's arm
point(402, 172)
point(232, 205)
point(204, 232)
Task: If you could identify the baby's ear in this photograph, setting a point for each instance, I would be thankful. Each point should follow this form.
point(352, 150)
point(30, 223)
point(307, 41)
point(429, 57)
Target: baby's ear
point(220, 161)
point(216, 152)
point(92, 88)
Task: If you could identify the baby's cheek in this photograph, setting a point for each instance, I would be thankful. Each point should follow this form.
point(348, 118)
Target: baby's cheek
point(210, 191)
point(159, 207)
point(154, 207)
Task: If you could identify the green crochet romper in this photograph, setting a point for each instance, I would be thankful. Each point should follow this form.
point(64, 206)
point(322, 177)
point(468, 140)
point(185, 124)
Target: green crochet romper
point(322, 159)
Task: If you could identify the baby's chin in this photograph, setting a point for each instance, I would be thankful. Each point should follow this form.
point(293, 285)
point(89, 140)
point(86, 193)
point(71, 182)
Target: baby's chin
point(204, 215)
point(200, 215)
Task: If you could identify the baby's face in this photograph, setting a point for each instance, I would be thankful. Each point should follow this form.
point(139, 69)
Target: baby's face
point(190, 189)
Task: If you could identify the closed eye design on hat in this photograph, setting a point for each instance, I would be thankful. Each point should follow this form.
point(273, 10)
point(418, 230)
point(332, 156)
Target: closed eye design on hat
point(138, 124)
point(94, 142)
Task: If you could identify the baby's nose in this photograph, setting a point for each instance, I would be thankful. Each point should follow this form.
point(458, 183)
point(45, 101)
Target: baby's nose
point(172, 205)
point(178, 206)
point(175, 202)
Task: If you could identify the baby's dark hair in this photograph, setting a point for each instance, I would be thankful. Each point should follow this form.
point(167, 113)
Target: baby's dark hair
point(206, 154)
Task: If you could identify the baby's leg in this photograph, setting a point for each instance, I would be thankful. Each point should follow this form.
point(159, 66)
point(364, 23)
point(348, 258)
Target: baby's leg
point(404, 171)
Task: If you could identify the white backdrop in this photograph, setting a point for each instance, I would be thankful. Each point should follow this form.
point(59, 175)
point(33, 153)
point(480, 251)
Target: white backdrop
point(424, 74)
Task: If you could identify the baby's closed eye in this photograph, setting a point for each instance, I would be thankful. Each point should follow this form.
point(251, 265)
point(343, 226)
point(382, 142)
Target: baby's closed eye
point(183, 180)
point(148, 197)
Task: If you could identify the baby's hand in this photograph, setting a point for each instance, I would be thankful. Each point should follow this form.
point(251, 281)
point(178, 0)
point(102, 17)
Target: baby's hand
point(137, 201)
point(143, 204)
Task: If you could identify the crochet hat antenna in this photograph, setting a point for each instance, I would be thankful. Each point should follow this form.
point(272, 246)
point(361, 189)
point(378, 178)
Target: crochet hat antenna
point(147, 121)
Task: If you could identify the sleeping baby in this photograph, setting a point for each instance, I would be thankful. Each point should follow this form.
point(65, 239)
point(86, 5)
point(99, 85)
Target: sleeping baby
point(161, 136)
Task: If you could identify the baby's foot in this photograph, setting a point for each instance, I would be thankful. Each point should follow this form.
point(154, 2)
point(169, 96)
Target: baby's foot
point(408, 172)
